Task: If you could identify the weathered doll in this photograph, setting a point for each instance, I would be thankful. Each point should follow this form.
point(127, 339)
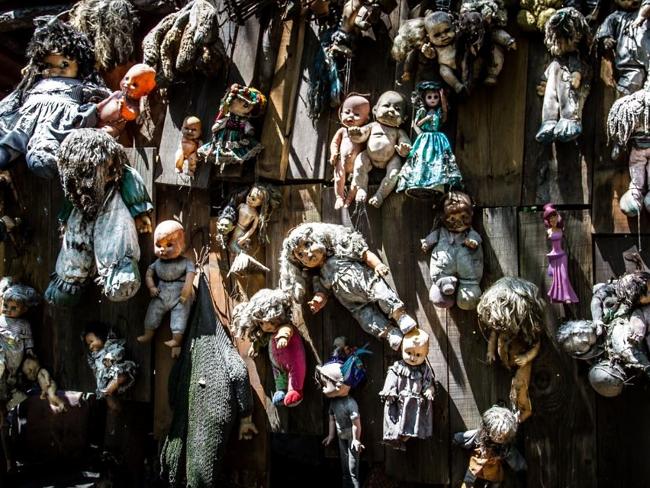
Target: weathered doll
point(491, 445)
point(513, 313)
point(568, 38)
point(342, 264)
point(34, 373)
point(456, 264)
point(431, 164)
point(441, 32)
point(226, 222)
point(356, 16)
point(580, 339)
point(266, 320)
point(561, 290)
point(386, 143)
point(408, 47)
point(174, 290)
point(408, 393)
point(186, 157)
point(534, 14)
point(344, 148)
point(619, 298)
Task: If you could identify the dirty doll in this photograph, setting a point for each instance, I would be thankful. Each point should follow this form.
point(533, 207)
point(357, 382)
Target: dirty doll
point(186, 157)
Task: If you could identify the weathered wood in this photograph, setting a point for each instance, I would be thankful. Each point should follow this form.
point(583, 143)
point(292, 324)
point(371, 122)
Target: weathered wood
point(23, 18)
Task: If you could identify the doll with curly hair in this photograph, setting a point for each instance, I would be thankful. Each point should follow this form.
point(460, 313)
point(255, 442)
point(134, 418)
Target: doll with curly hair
point(618, 298)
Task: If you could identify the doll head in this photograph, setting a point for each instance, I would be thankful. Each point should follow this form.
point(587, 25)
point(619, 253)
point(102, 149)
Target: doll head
point(339, 375)
point(415, 347)
point(390, 109)
point(191, 128)
point(139, 81)
point(567, 31)
point(458, 211)
point(17, 299)
point(633, 289)
point(411, 36)
point(95, 336)
point(578, 339)
point(243, 101)
point(264, 313)
point(498, 426)
point(552, 219)
point(607, 378)
point(354, 111)
point(227, 219)
point(440, 28)
point(169, 239)
point(264, 198)
point(627, 115)
point(30, 368)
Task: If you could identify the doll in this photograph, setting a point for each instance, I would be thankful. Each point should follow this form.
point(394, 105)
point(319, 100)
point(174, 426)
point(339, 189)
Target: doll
point(561, 290)
point(232, 134)
point(619, 298)
point(431, 164)
point(174, 291)
point(347, 268)
point(568, 38)
point(441, 33)
point(491, 445)
point(456, 264)
point(266, 319)
point(34, 373)
point(353, 113)
point(186, 156)
point(513, 312)
point(580, 339)
point(534, 14)
point(225, 225)
point(386, 145)
point(408, 393)
point(408, 47)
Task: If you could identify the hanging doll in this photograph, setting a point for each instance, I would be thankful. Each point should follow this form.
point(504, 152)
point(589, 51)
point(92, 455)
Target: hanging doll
point(232, 134)
point(346, 267)
point(186, 157)
point(567, 78)
point(441, 33)
point(266, 320)
point(456, 264)
point(534, 14)
point(408, 393)
point(491, 445)
point(174, 291)
point(408, 47)
point(386, 145)
point(58, 81)
point(619, 298)
point(580, 339)
point(431, 165)
point(513, 312)
point(561, 290)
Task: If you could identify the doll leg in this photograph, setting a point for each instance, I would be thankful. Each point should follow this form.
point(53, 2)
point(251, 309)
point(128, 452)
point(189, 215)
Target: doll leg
point(550, 106)
point(296, 367)
point(389, 182)
point(519, 391)
point(469, 293)
point(450, 78)
point(179, 315)
point(570, 124)
point(152, 319)
point(374, 321)
point(495, 67)
point(632, 200)
point(349, 464)
point(41, 152)
point(339, 184)
point(362, 166)
point(391, 305)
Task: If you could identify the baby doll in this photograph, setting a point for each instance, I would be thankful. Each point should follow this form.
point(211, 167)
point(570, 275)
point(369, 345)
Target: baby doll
point(174, 291)
point(407, 47)
point(456, 264)
point(186, 156)
point(408, 393)
point(568, 39)
point(386, 145)
point(344, 148)
point(441, 32)
point(513, 312)
point(491, 445)
point(266, 319)
point(561, 290)
point(431, 164)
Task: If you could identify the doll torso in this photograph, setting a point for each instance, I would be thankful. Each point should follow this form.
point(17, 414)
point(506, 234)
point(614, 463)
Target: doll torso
point(246, 216)
point(345, 410)
point(446, 55)
point(433, 124)
point(15, 337)
point(189, 146)
point(381, 143)
point(171, 273)
point(348, 149)
point(108, 363)
point(350, 280)
point(556, 243)
point(451, 256)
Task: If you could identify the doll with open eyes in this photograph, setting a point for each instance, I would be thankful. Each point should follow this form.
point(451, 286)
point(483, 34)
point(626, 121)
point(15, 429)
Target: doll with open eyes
point(441, 32)
point(186, 157)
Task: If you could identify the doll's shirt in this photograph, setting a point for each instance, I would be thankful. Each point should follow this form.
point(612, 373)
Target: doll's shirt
point(344, 410)
point(486, 463)
point(172, 270)
point(350, 280)
point(17, 333)
point(109, 363)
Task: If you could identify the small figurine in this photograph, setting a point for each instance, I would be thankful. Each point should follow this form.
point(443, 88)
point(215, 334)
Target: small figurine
point(408, 393)
point(186, 157)
point(561, 290)
point(456, 264)
point(347, 268)
point(34, 373)
point(386, 145)
point(174, 291)
point(266, 319)
point(491, 445)
point(513, 312)
point(431, 164)
point(441, 32)
point(568, 76)
point(225, 225)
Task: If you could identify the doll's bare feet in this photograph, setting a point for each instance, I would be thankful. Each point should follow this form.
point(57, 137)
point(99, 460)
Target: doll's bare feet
point(339, 204)
point(376, 201)
point(146, 337)
point(176, 352)
point(175, 341)
point(361, 196)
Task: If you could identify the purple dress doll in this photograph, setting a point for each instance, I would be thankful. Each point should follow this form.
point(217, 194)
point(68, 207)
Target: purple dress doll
point(561, 290)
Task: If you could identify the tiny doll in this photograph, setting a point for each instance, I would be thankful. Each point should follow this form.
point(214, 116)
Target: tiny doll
point(266, 319)
point(232, 134)
point(349, 270)
point(513, 312)
point(225, 225)
point(174, 291)
point(408, 393)
point(568, 38)
point(186, 156)
point(441, 32)
point(34, 373)
point(344, 148)
point(386, 145)
point(456, 264)
point(561, 290)
point(431, 164)
point(491, 445)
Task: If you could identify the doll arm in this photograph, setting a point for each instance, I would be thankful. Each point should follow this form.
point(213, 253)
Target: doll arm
point(596, 307)
point(466, 440)
point(219, 124)
point(247, 428)
point(372, 260)
point(356, 433)
point(492, 347)
point(283, 336)
point(115, 384)
point(644, 13)
point(528, 356)
point(473, 239)
point(389, 391)
point(335, 146)
point(331, 431)
point(431, 240)
point(188, 286)
point(501, 37)
point(403, 145)
point(149, 281)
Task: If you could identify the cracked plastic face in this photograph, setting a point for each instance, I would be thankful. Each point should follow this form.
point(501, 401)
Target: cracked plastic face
point(139, 81)
point(390, 109)
point(442, 34)
point(57, 65)
point(458, 221)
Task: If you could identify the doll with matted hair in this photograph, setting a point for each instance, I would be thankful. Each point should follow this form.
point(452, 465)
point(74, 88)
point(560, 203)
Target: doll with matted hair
point(561, 290)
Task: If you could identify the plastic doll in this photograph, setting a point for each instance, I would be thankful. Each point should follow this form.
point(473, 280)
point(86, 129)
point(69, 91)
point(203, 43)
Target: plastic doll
point(232, 134)
point(344, 148)
point(513, 312)
point(174, 291)
point(34, 373)
point(441, 32)
point(491, 445)
point(186, 157)
point(580, 339)
point(266, 319)
point(386, 145)
point(431, 164)
point(347, 268)
point(619, 298)
point(225, 225)
point(456, 264)
point(534, 14)
point(561, 290)
point(568, 38)
point(408, 47)
point(408, 393)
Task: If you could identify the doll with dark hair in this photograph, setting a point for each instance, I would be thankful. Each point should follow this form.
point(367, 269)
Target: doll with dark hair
point(561, 290)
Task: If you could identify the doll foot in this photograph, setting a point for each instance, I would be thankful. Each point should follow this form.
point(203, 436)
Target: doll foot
point(376, 201)
point(546, 133)
point(293, 398)
point(361, 196)
point(278, 397)
point(632, 202)
point(339, 204)
point(394, 338)
point(567, 130)
point(406, 323)
point(42, 164)
point(146, 337)
point(439, 299)
point(173, 343)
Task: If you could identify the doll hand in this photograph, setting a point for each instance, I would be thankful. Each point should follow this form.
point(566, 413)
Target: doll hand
point(490, 357)
point(576, 78)
point(381, 269)
point(512, 46)
point(609, 43)
point(317, 302)
point(334, 158)
point(357, 446)
point(154, 292)
point(429, 393)
point(252, 353)
point(521, 360)
point(219, 124)
point(243, 241)
point(328, 440)
point(599, 327)
point(428, 50)
point(403, 149)
point(541, 88)
point(246, 429)
point(143, 224)
point(425, 245)
point(638, 22)
point(471, 243)
point(282, 343)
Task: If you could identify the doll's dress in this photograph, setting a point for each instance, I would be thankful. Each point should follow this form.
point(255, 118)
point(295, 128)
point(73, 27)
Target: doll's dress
point(431, 164)
point(561, 290)
point(108, 363)
point(232, 144)
point(15, 337)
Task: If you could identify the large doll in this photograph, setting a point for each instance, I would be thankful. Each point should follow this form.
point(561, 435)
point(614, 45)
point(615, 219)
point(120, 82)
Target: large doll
point(441, 33)
point(561, 290)
point(341, 263)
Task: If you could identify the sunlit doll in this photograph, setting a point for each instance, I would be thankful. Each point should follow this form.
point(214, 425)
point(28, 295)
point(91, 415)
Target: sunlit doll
point(580, 339)
point(561, 290)
point(186, 157)
point(174, 290)
point(619, 298)
point(267, 320)
point(431, 164)
point(441, 32)
point(408, 47)
point(408, 393)
point(342, 264)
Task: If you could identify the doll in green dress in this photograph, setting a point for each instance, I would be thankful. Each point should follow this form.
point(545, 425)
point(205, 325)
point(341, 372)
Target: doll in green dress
point(431, 164)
